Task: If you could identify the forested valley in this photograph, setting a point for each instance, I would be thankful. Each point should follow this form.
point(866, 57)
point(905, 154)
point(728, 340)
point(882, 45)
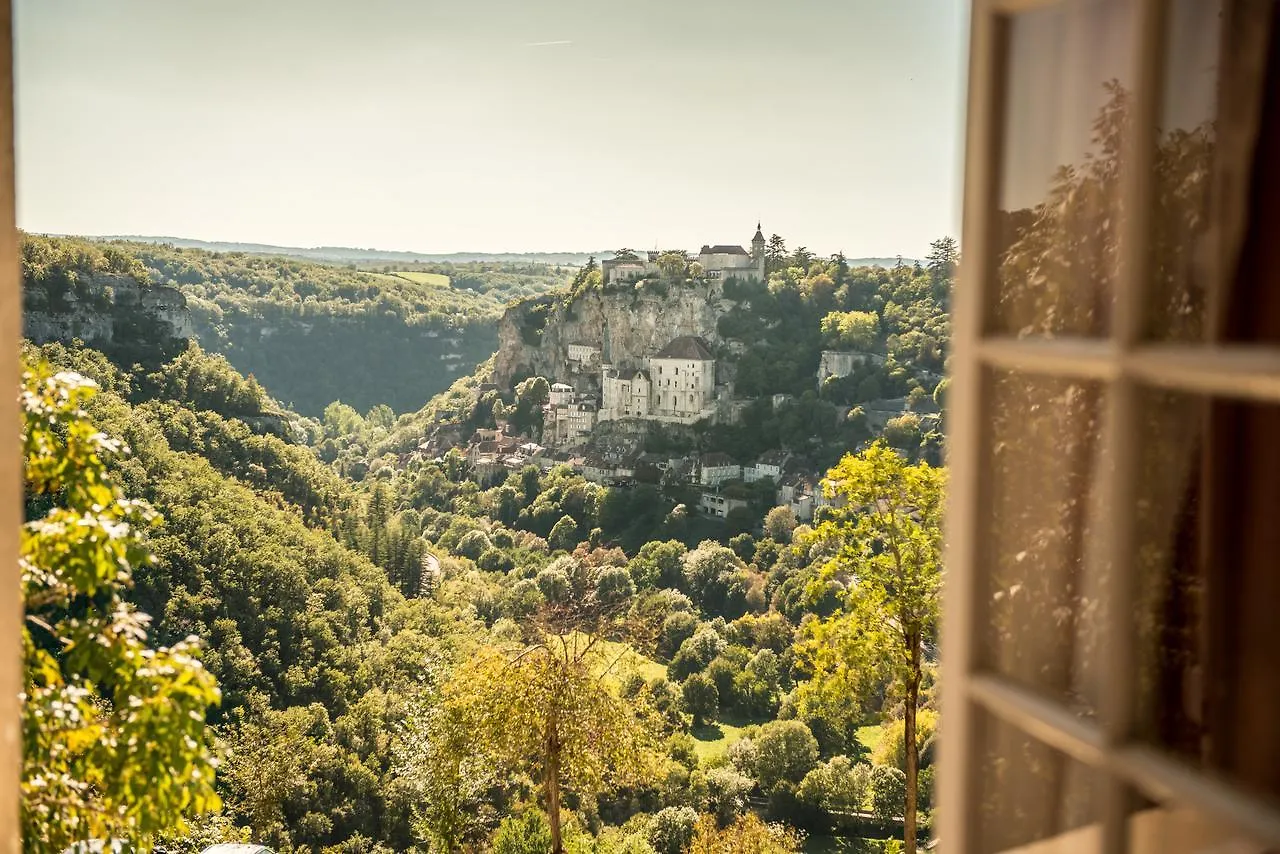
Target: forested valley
point(407, 657)
point(313, 333)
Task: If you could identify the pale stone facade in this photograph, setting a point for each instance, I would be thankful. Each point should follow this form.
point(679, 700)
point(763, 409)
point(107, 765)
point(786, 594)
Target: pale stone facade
point(684, 378)
point(678, 386)
point(720, 506)
point(569, 424)
point(561, 394)
point(769, 465)
point(841, 363)
point(715, 468)
point(583, 357)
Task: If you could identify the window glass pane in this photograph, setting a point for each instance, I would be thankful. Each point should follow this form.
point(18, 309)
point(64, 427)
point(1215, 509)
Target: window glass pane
point(1067, 93)
point(1041, 584)
point(1032, 793)
point(1208, 589)
point(1170, 586)
point(1181, 256)
point(1183, 830)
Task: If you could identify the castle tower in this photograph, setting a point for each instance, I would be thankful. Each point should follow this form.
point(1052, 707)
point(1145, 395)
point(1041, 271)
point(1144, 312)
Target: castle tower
point(757, 251)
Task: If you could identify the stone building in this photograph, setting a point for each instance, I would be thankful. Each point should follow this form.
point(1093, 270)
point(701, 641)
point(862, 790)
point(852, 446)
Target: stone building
point(569, 425)
point(722, 261)
point(684, 378)
point(624, 394)
point(841, 363)
point(770, 465)
point(561, 394)
point(720, 506)
point(583, 358)
point(678, 385)
point(715, 468)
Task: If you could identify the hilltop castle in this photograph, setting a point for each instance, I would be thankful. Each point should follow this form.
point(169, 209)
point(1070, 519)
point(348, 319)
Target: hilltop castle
point(721, 261)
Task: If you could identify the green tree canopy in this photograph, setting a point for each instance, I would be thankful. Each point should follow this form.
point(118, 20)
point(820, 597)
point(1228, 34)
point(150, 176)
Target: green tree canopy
point(886, 548)
point(114, 737)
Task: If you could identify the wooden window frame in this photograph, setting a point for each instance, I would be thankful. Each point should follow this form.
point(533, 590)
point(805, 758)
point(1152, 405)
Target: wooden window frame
point(11, 462)
point(1126, 363)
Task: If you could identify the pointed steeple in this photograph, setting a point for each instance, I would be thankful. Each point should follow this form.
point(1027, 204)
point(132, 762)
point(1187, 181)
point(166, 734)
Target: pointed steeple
point(757, 248)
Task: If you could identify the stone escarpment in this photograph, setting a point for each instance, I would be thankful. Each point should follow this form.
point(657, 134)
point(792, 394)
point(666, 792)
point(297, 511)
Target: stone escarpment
point(112, 312)
point(626, 324)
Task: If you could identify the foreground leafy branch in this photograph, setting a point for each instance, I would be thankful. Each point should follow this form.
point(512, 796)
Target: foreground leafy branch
point(114, 738)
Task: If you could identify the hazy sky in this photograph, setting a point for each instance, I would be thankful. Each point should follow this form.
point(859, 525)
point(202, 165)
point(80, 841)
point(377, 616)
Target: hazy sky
point(492, 125)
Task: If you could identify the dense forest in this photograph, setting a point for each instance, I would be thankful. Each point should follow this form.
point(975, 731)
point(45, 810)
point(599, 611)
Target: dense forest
point(315, 333)
point(337, 646)
point(405, 659)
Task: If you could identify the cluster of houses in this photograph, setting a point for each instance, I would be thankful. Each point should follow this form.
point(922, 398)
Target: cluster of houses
point(494, 455)
point(676, 385)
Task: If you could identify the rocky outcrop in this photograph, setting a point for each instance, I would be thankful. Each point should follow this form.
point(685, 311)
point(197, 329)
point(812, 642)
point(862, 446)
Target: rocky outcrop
point(107, 311)
point(627, 323)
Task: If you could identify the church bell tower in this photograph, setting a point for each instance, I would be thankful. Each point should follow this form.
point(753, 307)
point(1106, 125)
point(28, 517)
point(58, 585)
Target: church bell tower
point(757, 251)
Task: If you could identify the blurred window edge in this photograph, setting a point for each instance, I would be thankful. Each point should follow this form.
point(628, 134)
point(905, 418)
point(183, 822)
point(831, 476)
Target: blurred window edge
point(1232, 361)
point(10, 461)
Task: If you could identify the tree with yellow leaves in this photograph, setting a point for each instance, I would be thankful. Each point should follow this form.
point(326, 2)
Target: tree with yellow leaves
point(885, 546)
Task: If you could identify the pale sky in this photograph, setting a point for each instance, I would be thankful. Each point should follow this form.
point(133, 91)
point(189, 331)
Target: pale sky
point(494, 125)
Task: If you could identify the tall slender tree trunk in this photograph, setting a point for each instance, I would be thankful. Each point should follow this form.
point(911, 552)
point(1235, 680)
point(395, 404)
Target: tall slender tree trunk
point(553, 787)
point(911, 749)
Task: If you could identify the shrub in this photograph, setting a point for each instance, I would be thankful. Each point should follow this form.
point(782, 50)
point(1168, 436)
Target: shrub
point(727, 792)
point(526, 834)
point(747, 835)
point(787, 752)
point(473, 544)
point(701, 699)
point(676, 629)
point(614, 586)
point(672, 830)
point(745, 756)
point(888, 792)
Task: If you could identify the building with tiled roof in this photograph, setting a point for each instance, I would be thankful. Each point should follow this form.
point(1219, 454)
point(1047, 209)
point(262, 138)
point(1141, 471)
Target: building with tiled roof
point(686, 348)
point(721, 261)
point(677, 387)
point(715, 468)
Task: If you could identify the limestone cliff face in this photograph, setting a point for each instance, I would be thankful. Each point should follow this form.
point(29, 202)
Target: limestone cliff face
point(627, 323)
point(107, 311)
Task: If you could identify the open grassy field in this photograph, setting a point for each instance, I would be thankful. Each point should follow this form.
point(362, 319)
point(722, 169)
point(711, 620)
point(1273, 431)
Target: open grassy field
point(869, 736)
point(712, 741)
point(625, 661)
point(439, 280)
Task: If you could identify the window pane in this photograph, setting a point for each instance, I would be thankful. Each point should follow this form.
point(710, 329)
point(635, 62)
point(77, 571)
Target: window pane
point(1181, 257)
point(1183, 830)
point(1041, 579)
point(1208, 682)
point(1170, 587)
point(1033, 793)
point(1067, 93)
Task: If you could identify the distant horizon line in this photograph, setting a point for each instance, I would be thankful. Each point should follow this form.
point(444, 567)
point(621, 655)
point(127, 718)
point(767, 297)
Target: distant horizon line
point(286, 249)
